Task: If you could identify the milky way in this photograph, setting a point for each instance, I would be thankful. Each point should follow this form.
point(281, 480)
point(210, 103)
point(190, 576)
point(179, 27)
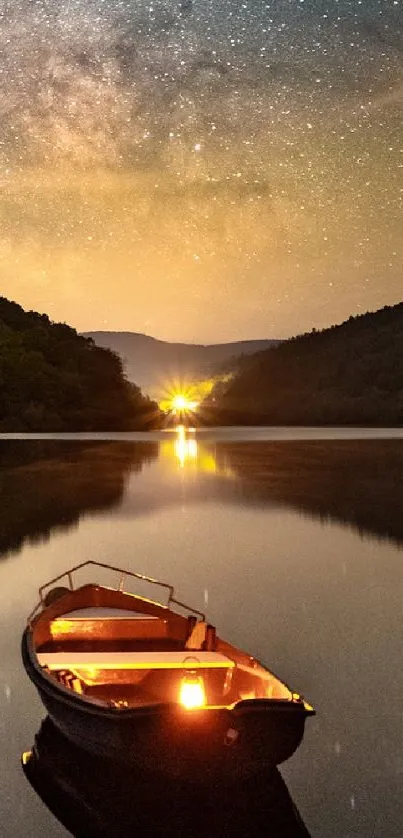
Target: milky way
point(201, 170)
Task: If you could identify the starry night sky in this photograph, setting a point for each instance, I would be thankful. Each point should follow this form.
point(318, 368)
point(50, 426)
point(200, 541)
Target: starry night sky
point(208, 170)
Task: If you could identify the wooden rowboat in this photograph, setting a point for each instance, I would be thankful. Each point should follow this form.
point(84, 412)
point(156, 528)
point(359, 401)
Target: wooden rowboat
point(138, 681)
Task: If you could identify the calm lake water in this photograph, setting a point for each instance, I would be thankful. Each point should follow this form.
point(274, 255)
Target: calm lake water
point(290, 541)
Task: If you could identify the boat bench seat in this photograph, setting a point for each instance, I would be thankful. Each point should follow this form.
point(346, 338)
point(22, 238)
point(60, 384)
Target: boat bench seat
point(108, 628)
point(55, 661)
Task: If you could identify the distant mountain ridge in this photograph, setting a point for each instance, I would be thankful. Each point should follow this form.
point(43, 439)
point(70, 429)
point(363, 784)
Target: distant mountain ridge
point(152, 364)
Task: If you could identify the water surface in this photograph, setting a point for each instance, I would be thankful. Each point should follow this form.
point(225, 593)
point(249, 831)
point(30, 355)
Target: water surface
point(293, 546)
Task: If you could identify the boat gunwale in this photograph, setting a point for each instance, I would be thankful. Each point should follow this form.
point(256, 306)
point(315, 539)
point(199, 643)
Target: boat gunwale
point(122, 575)
point(57, 690)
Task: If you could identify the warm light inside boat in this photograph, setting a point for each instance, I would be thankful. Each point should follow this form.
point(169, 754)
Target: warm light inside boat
point(89, 674)
point(192, 693)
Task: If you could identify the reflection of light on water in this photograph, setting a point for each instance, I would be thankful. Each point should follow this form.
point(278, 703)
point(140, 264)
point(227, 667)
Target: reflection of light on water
point(185, 447)
point(186, 451)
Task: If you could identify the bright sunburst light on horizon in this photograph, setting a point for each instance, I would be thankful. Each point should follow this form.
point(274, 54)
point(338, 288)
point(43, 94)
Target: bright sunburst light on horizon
point(183, 398)
point(180, 400)
point(181, 403)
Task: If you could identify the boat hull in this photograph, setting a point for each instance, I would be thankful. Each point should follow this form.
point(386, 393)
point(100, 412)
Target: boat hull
point(79, 789)
point(203, 744)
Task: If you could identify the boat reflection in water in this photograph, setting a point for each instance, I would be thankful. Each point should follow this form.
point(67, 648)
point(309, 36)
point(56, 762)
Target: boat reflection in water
point(97, 798)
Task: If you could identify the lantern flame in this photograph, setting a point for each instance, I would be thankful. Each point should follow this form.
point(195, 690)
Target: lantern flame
point(192, 693)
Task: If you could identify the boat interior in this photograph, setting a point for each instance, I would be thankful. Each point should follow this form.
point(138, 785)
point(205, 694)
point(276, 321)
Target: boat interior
point(121, 650)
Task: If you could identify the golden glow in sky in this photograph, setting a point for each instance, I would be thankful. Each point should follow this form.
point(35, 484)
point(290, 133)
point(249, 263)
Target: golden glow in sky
point(201, 172)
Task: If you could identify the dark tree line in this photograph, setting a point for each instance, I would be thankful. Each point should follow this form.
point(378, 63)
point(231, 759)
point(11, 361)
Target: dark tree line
point(351, 374)
point(52, 379)
point(353, 482)
point(47, 485)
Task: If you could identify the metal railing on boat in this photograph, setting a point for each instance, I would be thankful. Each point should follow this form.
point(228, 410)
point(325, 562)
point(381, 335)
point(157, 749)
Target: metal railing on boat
point(68, 574)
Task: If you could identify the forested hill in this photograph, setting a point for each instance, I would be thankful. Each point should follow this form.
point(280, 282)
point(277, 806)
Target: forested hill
point(351, 374)
point(52, 379)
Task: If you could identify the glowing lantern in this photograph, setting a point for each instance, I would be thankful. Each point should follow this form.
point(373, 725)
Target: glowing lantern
point(192, 693)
